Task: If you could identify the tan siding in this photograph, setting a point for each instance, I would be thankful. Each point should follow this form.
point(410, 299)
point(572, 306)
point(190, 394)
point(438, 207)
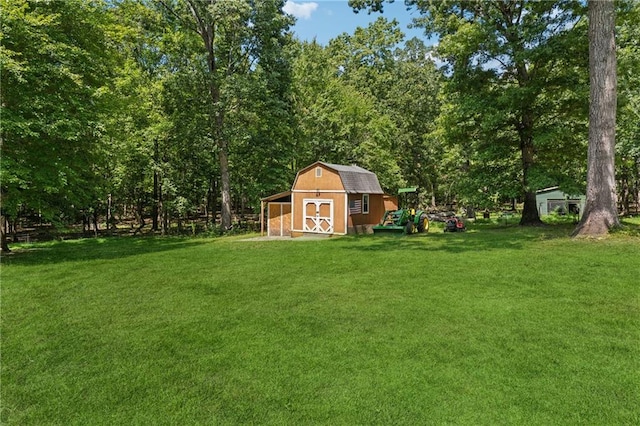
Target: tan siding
point(390, 202)
point(376, 210)
point(286, 219)
point(275, 218)
point(329, 181)
point(339, 209)
point(279, 223)
point(339, 226)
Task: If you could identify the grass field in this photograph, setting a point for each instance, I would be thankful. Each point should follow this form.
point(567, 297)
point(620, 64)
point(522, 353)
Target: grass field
point(499, 325)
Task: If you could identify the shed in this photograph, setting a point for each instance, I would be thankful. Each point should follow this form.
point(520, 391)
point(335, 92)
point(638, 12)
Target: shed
point(278, 214)
point(331, 199)
point(553, 199)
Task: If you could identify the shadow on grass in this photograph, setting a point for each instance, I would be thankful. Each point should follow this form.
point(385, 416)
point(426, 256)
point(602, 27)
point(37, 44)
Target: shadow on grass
point(93, 249)
point(477, 238)
point(630, 226)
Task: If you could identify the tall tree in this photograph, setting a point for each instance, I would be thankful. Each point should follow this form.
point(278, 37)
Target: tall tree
point(601, 210)
point(263, 145)
point(413, 103)
point(137, 130)
point(232, 34)
point(56, 59)
point(502, 56)
point(338, 122)
point(628, 112)
point(403, 83)
point(366, 58)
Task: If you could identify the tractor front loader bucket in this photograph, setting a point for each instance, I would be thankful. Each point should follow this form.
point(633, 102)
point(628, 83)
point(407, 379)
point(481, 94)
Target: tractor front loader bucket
point(388, 229)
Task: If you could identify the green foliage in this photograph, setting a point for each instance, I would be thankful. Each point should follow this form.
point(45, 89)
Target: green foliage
point(516, 90)
point(365, 100)
point(338, 123)
point(493, 326)
point(413, 104)
point(366, 58)
point(628, 118)
point(57, 60)
point(216, 104)
point(264, 146)
point(168, 124)
point(244, 93)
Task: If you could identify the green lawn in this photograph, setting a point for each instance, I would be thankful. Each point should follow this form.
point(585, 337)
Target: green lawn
point(499, 325)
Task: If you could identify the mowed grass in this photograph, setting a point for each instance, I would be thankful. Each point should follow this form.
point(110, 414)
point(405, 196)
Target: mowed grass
point(493, 326)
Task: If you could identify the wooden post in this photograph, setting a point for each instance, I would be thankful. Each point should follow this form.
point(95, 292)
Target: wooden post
point(261, 218)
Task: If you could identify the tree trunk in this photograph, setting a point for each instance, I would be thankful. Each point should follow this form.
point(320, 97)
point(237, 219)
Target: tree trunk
point(156, 200)
point(13, 228)
point(109, 213)
point(85, 223)
point(207, 33)
point(625, 193)
point(530, 216)
point(166, 224)
point(225, 208)
point(433, 193)
point(95, 223)
point(600, 212)
point(211, 203)
point(471, 212)
point(4, 246)
point(162, 211)
point(140, 217)
point(636, 184)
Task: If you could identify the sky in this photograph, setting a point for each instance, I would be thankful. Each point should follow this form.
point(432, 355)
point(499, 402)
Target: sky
point(326, 19)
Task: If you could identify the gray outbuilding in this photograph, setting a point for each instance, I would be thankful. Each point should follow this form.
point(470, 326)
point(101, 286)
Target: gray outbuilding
point(550, 200)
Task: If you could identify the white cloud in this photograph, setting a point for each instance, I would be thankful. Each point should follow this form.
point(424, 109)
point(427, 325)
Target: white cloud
point(300, 10)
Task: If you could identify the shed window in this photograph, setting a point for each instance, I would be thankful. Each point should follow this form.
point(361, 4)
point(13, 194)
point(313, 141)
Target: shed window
point(365, 203)
point(318, 172)
point(557, 206)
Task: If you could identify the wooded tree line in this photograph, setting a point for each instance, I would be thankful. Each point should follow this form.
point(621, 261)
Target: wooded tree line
point(167, 108)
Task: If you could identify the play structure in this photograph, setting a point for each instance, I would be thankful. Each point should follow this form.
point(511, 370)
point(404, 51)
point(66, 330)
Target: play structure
point(406, 220)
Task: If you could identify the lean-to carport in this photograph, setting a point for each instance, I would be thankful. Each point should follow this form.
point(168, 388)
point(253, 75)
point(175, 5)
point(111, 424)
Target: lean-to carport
point(278, 217)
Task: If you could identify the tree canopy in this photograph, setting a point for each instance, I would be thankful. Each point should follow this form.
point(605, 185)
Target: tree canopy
point(166, 109)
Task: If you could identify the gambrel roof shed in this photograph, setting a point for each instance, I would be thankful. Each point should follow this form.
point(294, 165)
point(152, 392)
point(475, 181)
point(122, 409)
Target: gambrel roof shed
point(355, 179)
point(328, 199)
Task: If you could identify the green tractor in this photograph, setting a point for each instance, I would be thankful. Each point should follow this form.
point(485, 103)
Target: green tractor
point(404, 220)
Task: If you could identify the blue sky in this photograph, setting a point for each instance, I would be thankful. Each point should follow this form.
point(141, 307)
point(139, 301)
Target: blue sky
point(326, 19)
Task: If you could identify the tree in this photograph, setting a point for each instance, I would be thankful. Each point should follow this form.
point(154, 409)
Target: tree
point(600, 213)
point(56, 60)
point(137, 129)
point(403, 84)
point(413, 103)
point(339, 123)
point(502, 58)
point(263, 146)
point(234, 37)
point(366, 58)
point(628, 111)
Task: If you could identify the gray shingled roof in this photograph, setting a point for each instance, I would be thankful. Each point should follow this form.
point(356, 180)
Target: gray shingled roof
point(357, 180)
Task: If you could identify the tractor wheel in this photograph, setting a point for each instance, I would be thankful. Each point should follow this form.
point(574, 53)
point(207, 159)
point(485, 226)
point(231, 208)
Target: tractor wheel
point(423, 224)
point(408, 228)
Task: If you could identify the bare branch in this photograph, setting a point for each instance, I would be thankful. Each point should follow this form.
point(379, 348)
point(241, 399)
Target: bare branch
point(186, 23)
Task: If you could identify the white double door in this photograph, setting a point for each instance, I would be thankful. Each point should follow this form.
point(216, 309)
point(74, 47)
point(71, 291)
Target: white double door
point(318, 216)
